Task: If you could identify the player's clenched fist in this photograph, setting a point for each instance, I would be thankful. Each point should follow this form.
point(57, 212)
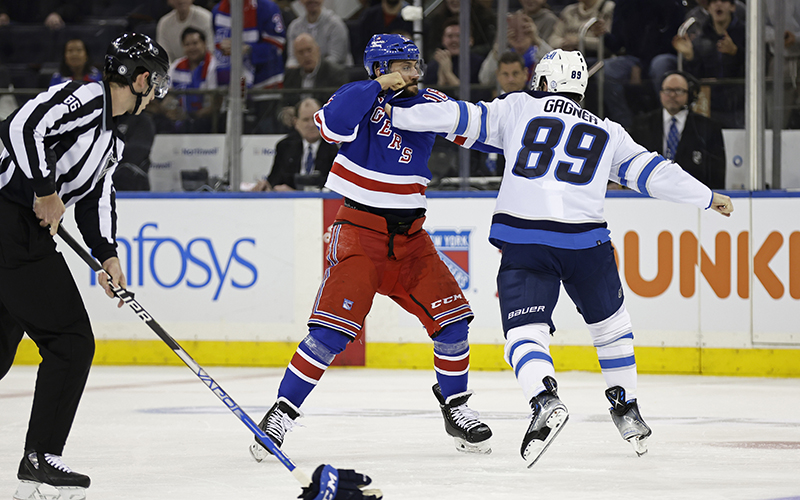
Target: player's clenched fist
point(392, 81)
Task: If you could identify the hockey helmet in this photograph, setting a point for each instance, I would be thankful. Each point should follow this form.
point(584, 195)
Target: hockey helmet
point(383, 49)
point(133, 51)
point(564, 71)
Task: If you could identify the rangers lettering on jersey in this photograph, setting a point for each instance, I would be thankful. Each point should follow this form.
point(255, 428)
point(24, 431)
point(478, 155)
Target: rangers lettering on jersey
point(382, 168)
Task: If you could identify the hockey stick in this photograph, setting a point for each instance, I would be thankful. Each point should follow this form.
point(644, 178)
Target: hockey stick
point(127, 297)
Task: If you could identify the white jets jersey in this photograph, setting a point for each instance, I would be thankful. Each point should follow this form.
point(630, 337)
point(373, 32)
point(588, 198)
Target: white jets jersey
point(559, 159)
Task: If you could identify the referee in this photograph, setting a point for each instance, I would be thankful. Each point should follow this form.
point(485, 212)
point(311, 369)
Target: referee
point(61, 149)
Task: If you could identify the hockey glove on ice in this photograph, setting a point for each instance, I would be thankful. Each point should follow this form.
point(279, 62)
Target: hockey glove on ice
point(328, 483)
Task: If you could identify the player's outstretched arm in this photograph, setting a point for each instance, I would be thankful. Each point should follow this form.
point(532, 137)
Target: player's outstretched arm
point(722, 204)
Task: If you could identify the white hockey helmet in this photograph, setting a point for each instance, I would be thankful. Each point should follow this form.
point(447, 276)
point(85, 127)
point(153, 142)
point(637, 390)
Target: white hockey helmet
point(563, 71)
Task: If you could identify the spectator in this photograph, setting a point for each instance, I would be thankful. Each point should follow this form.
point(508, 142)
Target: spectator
point(511, 77)
point(383, 18)
point(441, 71)
point(701, 15)
point(328, 30)
point(193, 113)
point(482, 26)
point(574, 16)
point(75, 64)
point(313, 73)
point(300, 154)
point(547, 23)
point(52, 13)
point(791, 54)
point(718, 52)
point(689, 139)
point(139, 132)
point(641, 35)
point(264, 39)
point(511, 73)
point(184, 15)
point(523, 38)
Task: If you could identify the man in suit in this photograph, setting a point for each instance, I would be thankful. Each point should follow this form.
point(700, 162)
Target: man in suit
point(301, 152)
point(313, 72)
point(691, 140)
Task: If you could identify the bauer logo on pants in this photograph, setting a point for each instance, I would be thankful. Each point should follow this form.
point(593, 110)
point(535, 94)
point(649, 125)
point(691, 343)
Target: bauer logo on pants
point(453, 248)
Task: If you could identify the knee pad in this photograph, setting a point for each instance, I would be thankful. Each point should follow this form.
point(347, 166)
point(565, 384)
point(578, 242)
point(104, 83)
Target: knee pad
point(452, 339)
point(612, 328)
point(324, 343)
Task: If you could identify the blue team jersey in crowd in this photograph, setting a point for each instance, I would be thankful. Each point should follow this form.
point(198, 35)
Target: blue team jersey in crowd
point(264, 32)
point(204, 76)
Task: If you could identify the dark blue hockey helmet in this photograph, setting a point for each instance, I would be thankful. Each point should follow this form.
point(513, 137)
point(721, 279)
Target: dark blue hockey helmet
point(384, 48)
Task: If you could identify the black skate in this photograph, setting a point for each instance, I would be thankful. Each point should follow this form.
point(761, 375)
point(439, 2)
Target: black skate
point(461, 422)
point(278, 420)
point(628, 420)
point(45, 477)
point(548, 416)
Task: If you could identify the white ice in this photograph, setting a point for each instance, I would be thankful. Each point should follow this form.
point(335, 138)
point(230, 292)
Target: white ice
point(159, 433)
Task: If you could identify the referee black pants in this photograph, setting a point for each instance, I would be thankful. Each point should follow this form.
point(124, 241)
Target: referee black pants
point(38, 296)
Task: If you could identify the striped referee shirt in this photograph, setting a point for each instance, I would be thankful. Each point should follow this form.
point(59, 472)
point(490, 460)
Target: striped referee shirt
point(63, 141)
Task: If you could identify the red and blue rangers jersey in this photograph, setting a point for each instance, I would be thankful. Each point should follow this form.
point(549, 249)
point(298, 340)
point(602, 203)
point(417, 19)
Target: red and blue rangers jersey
point(264, 31)
point(377, 165)
point(204, 76)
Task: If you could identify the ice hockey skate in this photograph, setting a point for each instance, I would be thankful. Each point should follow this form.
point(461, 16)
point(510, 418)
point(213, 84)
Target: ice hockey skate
point(460, 421)
point(628, 420)
point(45, 477)
point(276, 423)
point(548, 416)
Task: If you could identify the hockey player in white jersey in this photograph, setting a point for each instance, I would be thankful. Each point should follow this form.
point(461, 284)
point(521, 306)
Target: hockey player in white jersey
point(549, 224)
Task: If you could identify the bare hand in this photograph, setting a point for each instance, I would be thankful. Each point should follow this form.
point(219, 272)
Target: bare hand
point(225, 46)
point(388, 108)
point(598, 28)
point(683, 44)
point(113, 269)
point(788, 39)
point(49, 210)
point(722, 204)
point(283, 188)
point(726, 45)
point(392, 81)
point(262, 185)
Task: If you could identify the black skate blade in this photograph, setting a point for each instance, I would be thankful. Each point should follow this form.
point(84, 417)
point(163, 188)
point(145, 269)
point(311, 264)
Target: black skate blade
point(550, 438)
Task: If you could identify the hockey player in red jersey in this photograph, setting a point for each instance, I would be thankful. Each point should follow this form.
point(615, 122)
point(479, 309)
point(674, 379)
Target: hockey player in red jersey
point(378, 245)
point(549, 224)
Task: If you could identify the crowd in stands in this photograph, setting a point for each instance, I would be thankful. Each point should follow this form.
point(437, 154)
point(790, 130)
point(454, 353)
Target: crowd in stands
point(309, 48)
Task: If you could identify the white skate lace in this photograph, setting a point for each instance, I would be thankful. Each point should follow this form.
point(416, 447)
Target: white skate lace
point(465, 417)
point(55, 462)
point(279, 423)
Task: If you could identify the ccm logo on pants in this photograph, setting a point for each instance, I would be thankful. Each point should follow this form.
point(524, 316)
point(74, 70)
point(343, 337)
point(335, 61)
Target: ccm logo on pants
point(448, 300)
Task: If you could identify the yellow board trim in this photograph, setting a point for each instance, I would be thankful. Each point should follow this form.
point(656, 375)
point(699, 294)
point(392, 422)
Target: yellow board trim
point(658, 360)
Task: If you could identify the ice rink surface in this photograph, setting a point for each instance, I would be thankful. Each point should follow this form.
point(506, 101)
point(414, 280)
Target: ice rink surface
point(152, 433)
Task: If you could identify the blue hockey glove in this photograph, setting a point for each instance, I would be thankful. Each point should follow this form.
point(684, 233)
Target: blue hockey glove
point(328, 483)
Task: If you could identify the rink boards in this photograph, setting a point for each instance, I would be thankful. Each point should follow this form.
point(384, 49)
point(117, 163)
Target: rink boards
point(233, 278)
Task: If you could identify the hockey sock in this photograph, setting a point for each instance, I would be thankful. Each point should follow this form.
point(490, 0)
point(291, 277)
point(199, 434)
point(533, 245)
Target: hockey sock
point(528, 352)
point(313, 356)
point(613, 340)
point(451, 358)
